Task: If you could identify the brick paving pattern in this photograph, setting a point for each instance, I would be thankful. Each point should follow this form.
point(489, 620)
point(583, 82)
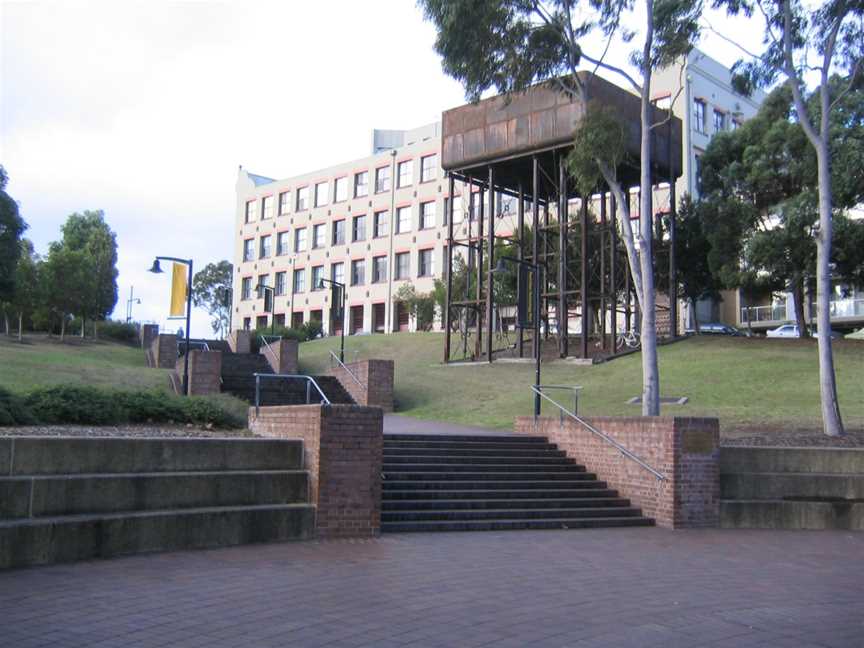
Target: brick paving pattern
point(605, 587)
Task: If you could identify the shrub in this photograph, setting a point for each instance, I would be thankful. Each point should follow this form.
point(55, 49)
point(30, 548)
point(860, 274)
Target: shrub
point(67, 404)
point(118, 331)
point(308, 331)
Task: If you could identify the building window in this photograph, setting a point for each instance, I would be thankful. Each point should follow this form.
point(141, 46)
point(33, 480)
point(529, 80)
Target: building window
point(338, 232)
point(340, 190)
point(361, 184)
point(358, 272)
point(299, 280)
point(284, 202)
point(264, 247)
point(404, 173)
point(263, 282)
point(382, 179)
point(427, 215)
point(246, 288)
point(457, 210)
point(402, 269)
point(281, 243)
point(699, 173)
point(318, 236)
point(735, 124)
point(250, 211)
point(719, 121)
point(337, 272)
point(358, 229)
point(302, 198)
point(322, 194)
point(403, 219)
point(249, 250)
point(428, 168)
point(379, 269)
point(280, 283)
point(266, 207)
point(699, 116)
point(300, 239)
point(380, 224)
point(247, 323)
point(317, 275)
point(424, 263)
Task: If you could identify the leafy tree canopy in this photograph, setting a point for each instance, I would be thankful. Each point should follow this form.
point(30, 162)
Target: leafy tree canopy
point(12, 226)
point(211, 289)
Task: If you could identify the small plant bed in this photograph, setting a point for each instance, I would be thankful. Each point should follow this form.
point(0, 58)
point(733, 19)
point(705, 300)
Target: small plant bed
point(149, 431)
point(97, 406)
point(793, 439)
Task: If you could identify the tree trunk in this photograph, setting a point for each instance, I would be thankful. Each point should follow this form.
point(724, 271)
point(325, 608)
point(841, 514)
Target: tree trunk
point(83, 324)
point(62, 326)
point(95, 329)
point(650, 370)
point(20, 326)
point(6, 321)
point(798, 297)
point(695, 316)
point(831, 421)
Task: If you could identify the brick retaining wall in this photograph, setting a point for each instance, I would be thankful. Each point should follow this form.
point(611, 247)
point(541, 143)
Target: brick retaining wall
point(163, 350)
point(685, 450)
point(205, 372)
point(376, 376)
point(281, 355)
point(342, 446)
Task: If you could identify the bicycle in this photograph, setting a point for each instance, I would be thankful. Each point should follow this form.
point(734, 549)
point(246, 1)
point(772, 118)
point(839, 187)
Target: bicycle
point(630, 339)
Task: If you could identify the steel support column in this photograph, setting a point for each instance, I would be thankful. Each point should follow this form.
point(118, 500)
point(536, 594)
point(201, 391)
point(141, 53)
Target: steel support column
point(602, 308)
point(535, 244)
point(520, 254)
point(613, 287)
point(449, 216)
point(563, 325)
point(490, 264)
point(673, 268)
point(583, 287)
point(478, 343)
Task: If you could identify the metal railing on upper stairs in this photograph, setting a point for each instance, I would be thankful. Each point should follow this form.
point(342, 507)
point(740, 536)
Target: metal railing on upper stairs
point(310, 383)
point(270, 350)
point(538, 389)
point(335, 357)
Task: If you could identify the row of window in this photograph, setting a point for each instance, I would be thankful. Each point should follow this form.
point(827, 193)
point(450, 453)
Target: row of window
point(380, 224)
point(320, 191)
point(721, 119)
point(402, 263)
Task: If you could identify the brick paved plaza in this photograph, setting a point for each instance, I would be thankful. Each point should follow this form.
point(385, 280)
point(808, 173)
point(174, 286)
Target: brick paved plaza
point(605, 587)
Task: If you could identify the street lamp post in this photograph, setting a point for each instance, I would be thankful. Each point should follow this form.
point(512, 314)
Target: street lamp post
point(156, 269)
point(264, 288)
point(130, 302)
point(341, 287)
point(535, 268)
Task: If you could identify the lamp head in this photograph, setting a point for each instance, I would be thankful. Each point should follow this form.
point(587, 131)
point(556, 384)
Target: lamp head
point(156, 269)
point(320, 284)
point(500, 267)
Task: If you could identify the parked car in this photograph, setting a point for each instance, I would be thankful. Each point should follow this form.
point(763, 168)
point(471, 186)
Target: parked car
point(791, 331)
point(716, 328)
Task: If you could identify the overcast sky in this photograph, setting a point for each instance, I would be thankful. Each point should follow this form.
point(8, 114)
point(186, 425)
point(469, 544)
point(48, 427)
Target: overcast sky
point(145, 110)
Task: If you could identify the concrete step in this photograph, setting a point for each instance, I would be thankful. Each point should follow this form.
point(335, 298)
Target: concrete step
point(470, 453)
point(462, 446)
point(475, 473)
point(501, 468)
point(81, 537)
point(517, 439)
point(87, 455)
point(488, 484)
point(513, 525)
point(482, 492)
point(509, 514)
point(22, 497)
point(785, 514)
point(391, 462)
point(799, 460)
point(782, 485)
point(480, 504)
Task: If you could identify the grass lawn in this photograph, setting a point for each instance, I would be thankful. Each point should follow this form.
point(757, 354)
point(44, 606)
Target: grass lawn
point(748, 383)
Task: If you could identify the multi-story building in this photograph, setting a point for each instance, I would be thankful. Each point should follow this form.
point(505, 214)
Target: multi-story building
point(372, 224)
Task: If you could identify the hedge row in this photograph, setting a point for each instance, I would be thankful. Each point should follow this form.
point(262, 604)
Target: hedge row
point(72, 405)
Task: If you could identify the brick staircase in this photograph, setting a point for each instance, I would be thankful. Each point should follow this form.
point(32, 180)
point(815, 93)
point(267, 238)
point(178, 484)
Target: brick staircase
point(64, 499)
point(479, 483)
point(238, 378)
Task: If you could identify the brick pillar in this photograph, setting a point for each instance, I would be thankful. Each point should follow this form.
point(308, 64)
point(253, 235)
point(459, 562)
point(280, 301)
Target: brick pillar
point(240, 341)
point(205, 372)
point(685, 450)
point(164, 350)
point(342, 447)
point(376, 378)
point(147, 334)
point(282, 356)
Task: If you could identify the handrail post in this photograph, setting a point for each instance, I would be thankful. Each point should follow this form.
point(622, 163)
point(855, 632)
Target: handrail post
point(308, 392)
point(257, 394)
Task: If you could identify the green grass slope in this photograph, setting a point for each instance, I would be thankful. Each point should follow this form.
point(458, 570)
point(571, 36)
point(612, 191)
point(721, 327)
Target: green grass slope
point(747, 383)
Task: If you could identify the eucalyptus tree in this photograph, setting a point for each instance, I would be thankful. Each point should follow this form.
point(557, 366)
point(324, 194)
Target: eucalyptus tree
point(802, 41)
point(508, 45)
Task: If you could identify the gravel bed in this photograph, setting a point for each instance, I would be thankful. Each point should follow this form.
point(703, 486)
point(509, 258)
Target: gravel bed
point(164, 431)
point(797, 440)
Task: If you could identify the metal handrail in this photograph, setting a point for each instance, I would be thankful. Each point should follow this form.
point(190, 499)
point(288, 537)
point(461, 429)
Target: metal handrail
point(538, 389)
point(310, 382)
point(335, 357)
point(270, 349)
point(572, 388)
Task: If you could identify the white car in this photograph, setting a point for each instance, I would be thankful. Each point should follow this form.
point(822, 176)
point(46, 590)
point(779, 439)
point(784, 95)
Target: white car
point(791, 331)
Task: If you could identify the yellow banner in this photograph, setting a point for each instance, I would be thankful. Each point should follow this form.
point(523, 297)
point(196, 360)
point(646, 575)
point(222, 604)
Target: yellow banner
point(178, 291)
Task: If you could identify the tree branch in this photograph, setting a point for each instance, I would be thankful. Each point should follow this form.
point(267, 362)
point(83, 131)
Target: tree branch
point(613, 68)
point(729, 40)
